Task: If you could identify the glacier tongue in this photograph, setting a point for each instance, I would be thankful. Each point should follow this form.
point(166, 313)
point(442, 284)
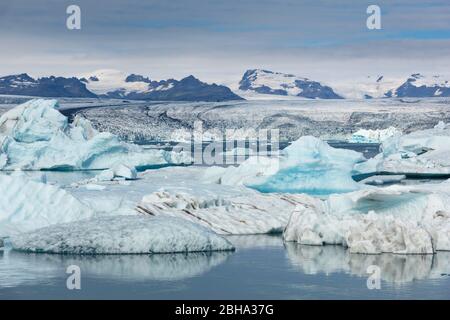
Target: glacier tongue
point(122, 235)
point(35, 135)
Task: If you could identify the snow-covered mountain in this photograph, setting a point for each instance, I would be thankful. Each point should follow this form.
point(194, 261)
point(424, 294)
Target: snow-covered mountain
point(419, 86)
point(281, 84)
point(116, 84)
point(367, 87)
point(23, 84)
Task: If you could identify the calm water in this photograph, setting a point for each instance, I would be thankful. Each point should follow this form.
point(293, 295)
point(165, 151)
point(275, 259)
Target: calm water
point(261, 268)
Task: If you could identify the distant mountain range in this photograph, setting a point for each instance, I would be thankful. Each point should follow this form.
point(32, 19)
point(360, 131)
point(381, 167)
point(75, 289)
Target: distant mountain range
point(255, 84)
point(111, 84)
point(265, 82)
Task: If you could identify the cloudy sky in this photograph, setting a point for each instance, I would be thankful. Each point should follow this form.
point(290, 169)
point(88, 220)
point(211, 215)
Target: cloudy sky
point(218, 40)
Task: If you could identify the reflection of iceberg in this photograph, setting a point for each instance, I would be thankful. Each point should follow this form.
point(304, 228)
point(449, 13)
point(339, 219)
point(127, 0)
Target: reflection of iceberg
point(308, 165)
point(396, 219)
point(121, 235)
point(35, 135)
point(393, 268)
point(26, 269)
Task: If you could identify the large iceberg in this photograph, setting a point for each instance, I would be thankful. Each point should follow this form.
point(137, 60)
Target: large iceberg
point(35, 135)
point(122, 235)
point(308, 165)
point(424, 152)
point(395, 219)
point(26, 205)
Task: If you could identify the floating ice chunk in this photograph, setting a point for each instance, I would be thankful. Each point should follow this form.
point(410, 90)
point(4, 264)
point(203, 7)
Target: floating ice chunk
point(35, 135)
point(396, 219)
point(425, 152)
point(105, 175)
point(383, 179)
point(26, 205)
point(308, 165)
point(123, 171)
point(122, 235)
point(373, 136)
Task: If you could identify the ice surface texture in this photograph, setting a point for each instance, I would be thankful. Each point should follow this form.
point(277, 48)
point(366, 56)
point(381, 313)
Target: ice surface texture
point(26, 205)
point(35, 135)
point(122, 235)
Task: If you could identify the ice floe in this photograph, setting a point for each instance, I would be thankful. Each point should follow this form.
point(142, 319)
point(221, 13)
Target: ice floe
point(308, 165)
point(35, 135)
point(394, 219)
point(26, 205)
point(121, 235)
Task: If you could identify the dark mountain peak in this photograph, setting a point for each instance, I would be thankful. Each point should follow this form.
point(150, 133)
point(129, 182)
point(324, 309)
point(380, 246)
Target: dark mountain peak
point(137, 78)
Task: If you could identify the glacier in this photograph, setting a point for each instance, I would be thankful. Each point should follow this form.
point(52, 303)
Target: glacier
point(36, 136)
point(121, 235)
point(309, 165)
point(396, 219)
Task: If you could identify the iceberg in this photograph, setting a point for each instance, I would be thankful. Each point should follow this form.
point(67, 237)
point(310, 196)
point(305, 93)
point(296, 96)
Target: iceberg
point(373, 136)
point(395, 219)
point(35, 136)
point(26, 205)
point(308, 165)
point(421, 153)
point(121, 235)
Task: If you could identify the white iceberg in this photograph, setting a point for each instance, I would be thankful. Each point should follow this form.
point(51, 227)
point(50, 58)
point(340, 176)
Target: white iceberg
point(395, 219)
point(421, 153)
point(122, 235)
point(26, 205)
point(35, 135)
point(373, 136)
point(308, 165)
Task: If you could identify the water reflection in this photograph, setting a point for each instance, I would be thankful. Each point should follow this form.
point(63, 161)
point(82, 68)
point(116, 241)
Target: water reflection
point(396, 269)
point(18, 268)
